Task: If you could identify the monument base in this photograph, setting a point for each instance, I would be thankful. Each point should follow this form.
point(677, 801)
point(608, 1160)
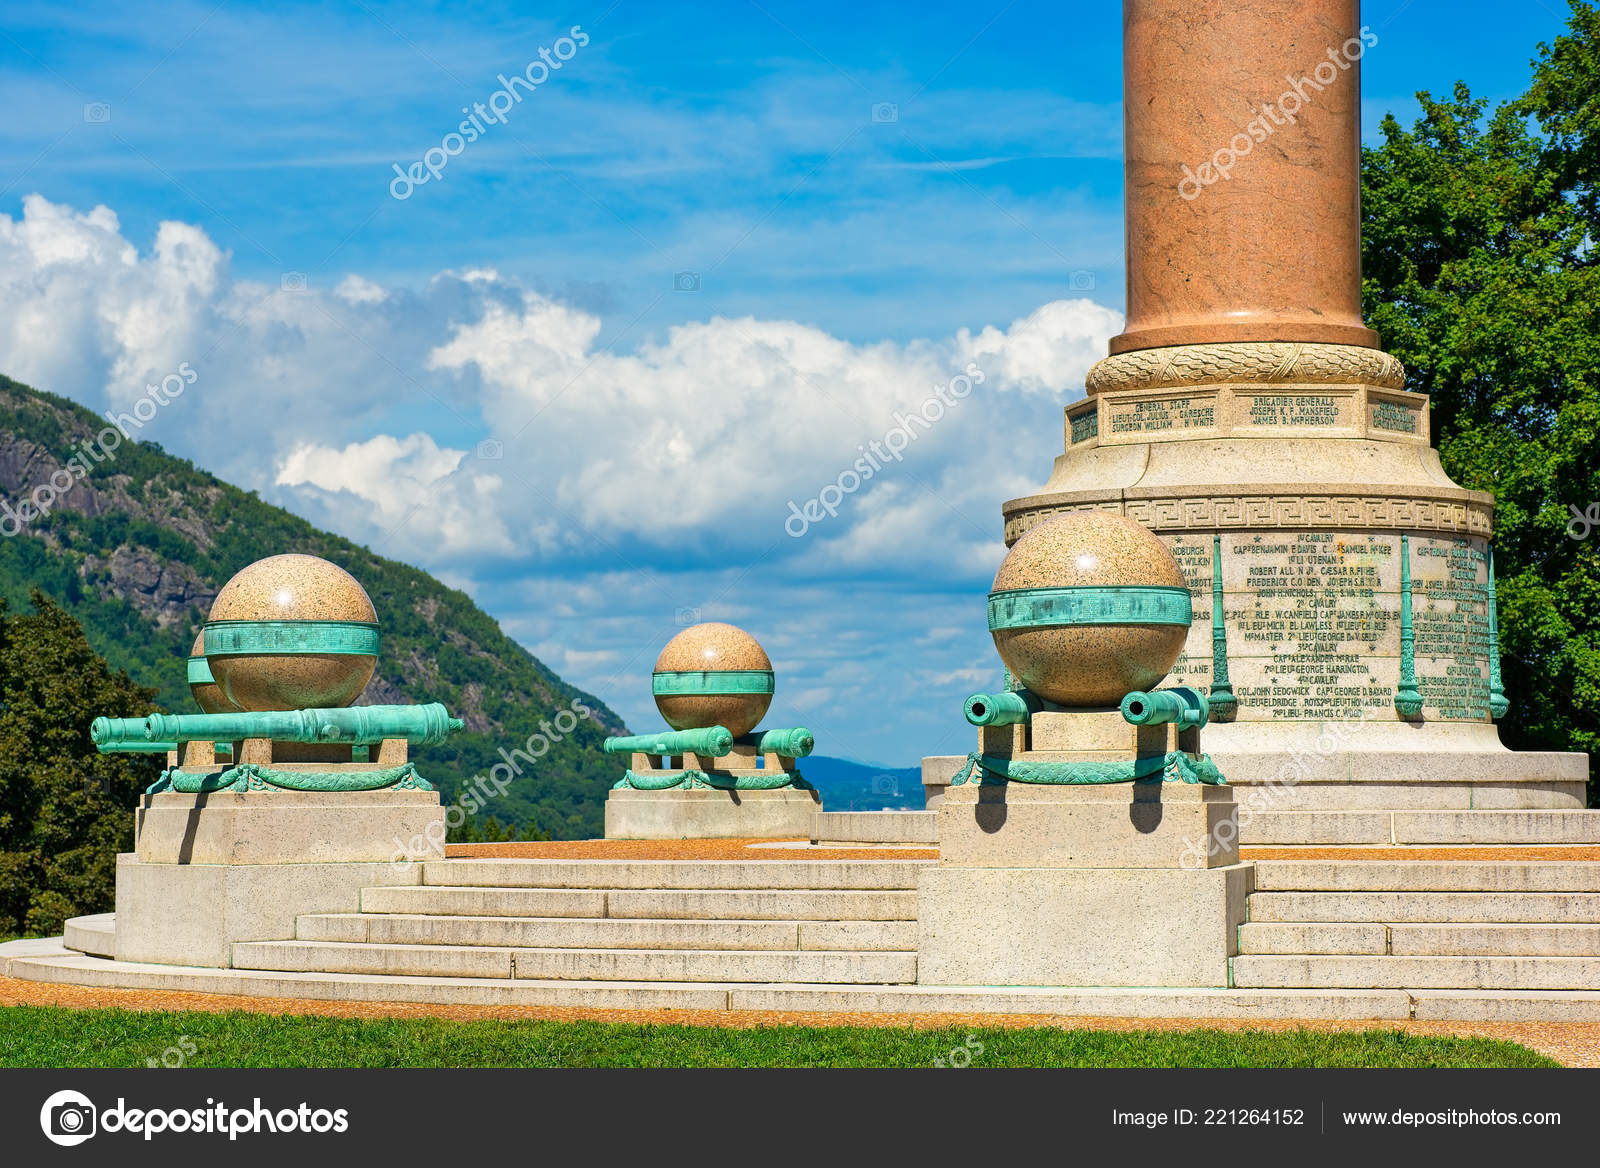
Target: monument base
point(289, 827)
point(711, 813)
point(1116, 884)
point(211, 869)
point(1079, 926)
point(1115, 825)
point(191, 914)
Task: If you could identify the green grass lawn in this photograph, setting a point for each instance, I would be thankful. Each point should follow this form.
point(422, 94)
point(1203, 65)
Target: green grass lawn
point(35, 1036)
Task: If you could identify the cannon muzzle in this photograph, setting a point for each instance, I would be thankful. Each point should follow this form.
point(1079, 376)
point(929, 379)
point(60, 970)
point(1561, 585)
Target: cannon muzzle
point(1181, 704)
point(1007, 708)
point(790, 742)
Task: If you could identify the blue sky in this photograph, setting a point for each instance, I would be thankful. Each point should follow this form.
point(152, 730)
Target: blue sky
point(584, 371)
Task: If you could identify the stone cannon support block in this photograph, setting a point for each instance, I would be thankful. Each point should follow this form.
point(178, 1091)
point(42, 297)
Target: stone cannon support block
point(288, 827)
point(1078, 926)
point(1114, 825)
point(937, 771)
point(708, 813)
point(191, 914)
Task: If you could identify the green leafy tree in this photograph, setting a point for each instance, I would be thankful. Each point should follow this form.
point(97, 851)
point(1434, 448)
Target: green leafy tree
point(1480, 266)
point(65, 810)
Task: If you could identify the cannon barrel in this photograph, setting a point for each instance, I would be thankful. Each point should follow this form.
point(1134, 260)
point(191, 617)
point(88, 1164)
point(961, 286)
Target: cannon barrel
point(139, 747)
point(1007, 708)
point(418, 725)
point(711, 741)
point(789, 742)
point(1181, 704)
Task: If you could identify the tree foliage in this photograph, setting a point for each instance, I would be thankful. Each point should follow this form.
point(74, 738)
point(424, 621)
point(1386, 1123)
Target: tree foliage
point(65, 810)
point(1481, 275)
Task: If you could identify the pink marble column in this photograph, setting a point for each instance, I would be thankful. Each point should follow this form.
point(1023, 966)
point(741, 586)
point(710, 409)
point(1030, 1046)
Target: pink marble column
point(1243, 126)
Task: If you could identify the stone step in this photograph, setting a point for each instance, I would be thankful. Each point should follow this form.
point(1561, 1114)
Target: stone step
point(648, 965)
point(876, 827)
point(1427, 875)
point(1343, 937)
point(1546, 827)
point(755, 905)
point(49, 962)
point(864, 873)
point(667, 904)
point(1289, 971)
point(1441, 940)
point(484, 902)
point(1425, 907)
point(95, 935)
point(603, 933)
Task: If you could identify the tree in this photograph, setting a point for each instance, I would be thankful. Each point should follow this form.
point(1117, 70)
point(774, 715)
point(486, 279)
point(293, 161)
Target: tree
point(1481, 274)
point(65, 810)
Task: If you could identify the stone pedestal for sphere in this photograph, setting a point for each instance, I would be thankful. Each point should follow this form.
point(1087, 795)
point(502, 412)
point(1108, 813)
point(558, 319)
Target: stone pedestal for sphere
point(1088, 840)
point(709, 813)
point(1116, 885)
point(280, 801)
point(712, 776)
point(213, 869)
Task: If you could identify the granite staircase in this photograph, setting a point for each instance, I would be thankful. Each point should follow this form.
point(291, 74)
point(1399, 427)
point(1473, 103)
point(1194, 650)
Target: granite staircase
point(1471, 925)
point(634, 921)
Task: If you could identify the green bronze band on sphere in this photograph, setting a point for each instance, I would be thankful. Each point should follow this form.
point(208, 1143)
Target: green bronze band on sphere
point(683, 683)
point(1180, 704)
point(710, 741)
point(228, 638)
point(1037, 608)
point(1007, 708)
point(418, 725)
point(199, 672)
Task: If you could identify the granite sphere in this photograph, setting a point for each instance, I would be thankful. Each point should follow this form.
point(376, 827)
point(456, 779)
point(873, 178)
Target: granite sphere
point(1089, 664)
point(207, 695)
point(707, 650)
point(270, 597)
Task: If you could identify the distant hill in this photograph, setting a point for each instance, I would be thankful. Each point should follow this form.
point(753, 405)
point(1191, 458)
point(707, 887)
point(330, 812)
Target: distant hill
point(137, 548)
point(854, 786)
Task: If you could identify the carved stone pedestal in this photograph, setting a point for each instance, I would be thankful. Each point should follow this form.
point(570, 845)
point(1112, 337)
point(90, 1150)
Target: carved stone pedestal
point(711, 813)
point(1126, 884)
point(212, 869)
